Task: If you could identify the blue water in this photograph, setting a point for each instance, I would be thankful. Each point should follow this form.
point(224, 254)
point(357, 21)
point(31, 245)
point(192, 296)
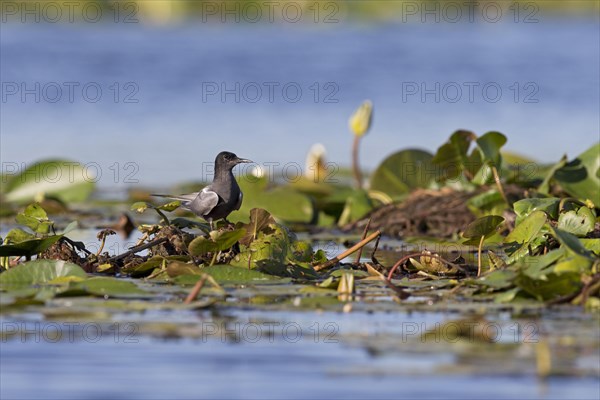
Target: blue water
point(162, 119)
point(295, 365)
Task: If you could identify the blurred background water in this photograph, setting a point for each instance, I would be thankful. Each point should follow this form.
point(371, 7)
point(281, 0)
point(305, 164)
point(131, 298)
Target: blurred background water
point(150, 102)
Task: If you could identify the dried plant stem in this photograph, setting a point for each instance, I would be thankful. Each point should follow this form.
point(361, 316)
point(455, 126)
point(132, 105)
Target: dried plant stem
point(136, 249)
point(196, 289)
point(364, 235)
point(348, 252)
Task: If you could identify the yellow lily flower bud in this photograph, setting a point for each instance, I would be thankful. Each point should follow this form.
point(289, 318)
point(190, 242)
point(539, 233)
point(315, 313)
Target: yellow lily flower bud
point(360, 121)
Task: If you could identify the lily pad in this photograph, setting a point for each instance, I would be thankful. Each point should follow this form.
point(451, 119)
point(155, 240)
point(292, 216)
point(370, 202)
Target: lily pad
point(527, 229)
point(66, 180)
point(404, 171)
point(229, 274)
point(484, 226)
point(579, 177)
point(40, 271)
point(101, 286)
point(579, 222)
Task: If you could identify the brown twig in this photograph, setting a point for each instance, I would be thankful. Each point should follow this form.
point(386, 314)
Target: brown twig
point(351, 250)
point(364, 235)
point(406, 257)
point(196, 289)
point(136, 249)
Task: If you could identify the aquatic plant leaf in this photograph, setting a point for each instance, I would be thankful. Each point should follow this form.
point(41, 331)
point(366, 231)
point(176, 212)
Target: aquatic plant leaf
point(226, 239)
point(139, 206)
point(526, 206)
point(551, 285)
point(592, 245)
point(578, 265)
point(528, 228)
point(579, 178)
point(35, 218)
point(18, 235)
point(489, 202)
point(217, 241)
point(452, 155)
point(68, 181)
point(260, 220)
point(28, 247)
point(579, 222)
point(404, 171)
point(230, 273)
point(40, 271)
point(105, 286)
point(499, 279)
point(572, 243)
point(484, 226)
point(176, 268)
point(489, 144)
point(544, 187)
point(357, 206)
point(282, 202)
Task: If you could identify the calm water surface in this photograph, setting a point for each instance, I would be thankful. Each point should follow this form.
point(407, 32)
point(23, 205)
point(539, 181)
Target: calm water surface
point(162, 117)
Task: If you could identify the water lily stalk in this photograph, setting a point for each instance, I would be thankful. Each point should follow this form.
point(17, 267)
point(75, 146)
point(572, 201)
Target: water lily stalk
point(499, 184)
point(196, 289)
point(359, 123)
point(355, 163)
point(348, 252)
point(479, 255)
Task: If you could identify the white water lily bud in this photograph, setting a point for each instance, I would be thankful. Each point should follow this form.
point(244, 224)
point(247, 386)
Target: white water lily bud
point(360, 121)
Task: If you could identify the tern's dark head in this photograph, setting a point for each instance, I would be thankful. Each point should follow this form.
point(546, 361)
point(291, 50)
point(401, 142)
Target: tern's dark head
point(226, 161)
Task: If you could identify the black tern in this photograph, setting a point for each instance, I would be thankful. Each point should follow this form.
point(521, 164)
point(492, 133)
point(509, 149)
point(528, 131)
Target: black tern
point(217, 200)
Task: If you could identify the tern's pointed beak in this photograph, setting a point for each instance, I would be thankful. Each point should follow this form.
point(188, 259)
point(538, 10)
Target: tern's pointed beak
point(244, 160)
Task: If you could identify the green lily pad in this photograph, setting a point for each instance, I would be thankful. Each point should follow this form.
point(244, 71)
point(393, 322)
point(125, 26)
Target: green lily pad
point(35, 218)
point(489, 144)
point(357, 206)
point(218, 241)
point(40, 271)
point(452, 156)
point(28, 247)
point(65, 180)
point(229, 274)
point(527, 229)
point(404, 171)
point(579, 178)
point(525, 207)
point(579, 222)
point(484, 226)
point(283, 202)
point(102, 286)
point(572, 243)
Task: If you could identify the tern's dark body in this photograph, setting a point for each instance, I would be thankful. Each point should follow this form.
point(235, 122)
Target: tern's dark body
point(217, 200)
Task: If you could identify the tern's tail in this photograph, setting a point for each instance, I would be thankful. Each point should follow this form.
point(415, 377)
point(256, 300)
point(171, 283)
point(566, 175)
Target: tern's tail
point(181, 197)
